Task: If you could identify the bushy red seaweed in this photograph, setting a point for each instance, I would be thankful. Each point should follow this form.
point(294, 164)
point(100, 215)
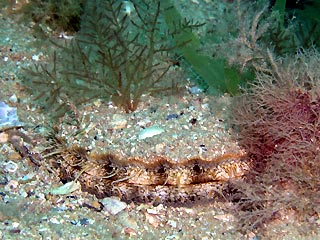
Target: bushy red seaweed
point(278, 121)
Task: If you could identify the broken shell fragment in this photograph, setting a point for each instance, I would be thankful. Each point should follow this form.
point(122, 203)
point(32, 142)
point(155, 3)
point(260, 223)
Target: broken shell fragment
point(66, 188)
point(150, 132)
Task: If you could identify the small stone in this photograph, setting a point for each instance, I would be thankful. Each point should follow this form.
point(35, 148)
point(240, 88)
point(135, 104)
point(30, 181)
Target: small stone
point(113, 205)
point(35, 58)
point(95, 205)
point(15, 224)
point(152, 219)
point(97, 103)
point(150, 132)
point(172, 223)
point(12, 184)
point(8, 116)
point(11, 167)
point(13, 98)
point(130, 232)
point(195, 90)
point(4, 137)
point(54, 221)
point(160, 148)
point(118, 121)
point(66, 188)
point(224, 217)
point(172, 116)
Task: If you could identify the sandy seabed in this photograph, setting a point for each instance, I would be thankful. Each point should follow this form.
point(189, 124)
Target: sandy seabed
point(28, 211)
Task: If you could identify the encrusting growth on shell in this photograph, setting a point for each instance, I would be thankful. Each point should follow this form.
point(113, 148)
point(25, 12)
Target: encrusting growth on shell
point(156, 180)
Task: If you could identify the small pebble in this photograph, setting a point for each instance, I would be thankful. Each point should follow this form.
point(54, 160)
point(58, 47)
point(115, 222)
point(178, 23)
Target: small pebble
point(195, 90)
point(150, 132)
point(113, 205)
point(66, 188)
point(13, 98)
point(4, 137)
point(84, 221)
point(118, 121)
point(12, 184)
point(10, 167)
point(224, 217)
point(15, 224)
point(35, 58)
point(172, 116)
point(130, 232)
point(55, 221)
point(152, 219)
point(172, 223)
point(93, 205)
point(160, 148)
point(8, 116)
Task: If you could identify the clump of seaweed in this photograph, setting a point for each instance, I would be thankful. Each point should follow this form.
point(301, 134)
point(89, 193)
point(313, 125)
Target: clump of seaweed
point(254, 27)
point(278, 121)
point(297, 25)
point(119, 54)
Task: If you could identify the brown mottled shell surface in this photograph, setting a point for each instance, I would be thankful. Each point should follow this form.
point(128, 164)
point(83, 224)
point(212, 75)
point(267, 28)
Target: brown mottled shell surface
point(156, 180)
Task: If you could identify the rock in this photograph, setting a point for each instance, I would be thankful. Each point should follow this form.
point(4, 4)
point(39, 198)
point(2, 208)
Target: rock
point(4, 137)
point(160, 148)
point(13, 98)
point(172, 223)
point(10, 167)
point(66, 188)
point(96, 205)
point(153, 220)
point(150, 132)
point(8, 116)
point(130, 232)
point(118, 121)
point(113, 205)
point(172, 116)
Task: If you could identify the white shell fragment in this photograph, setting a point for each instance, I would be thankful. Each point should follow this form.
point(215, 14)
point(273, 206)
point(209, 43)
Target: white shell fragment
point(150, 132)
point(66, 188)
point(8, 116)
point(113, 205)
point(11, 167)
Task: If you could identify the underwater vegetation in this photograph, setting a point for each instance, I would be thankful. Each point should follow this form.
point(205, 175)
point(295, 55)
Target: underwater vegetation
point(278, 121)
point(243, 33)
point(120, 53)
point(297, 25)
point(217, 75)
point(255, 26)
point(122, 49)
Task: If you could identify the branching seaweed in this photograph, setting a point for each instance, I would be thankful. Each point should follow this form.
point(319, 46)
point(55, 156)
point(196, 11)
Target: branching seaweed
point(119, 54)
point(278, 120)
